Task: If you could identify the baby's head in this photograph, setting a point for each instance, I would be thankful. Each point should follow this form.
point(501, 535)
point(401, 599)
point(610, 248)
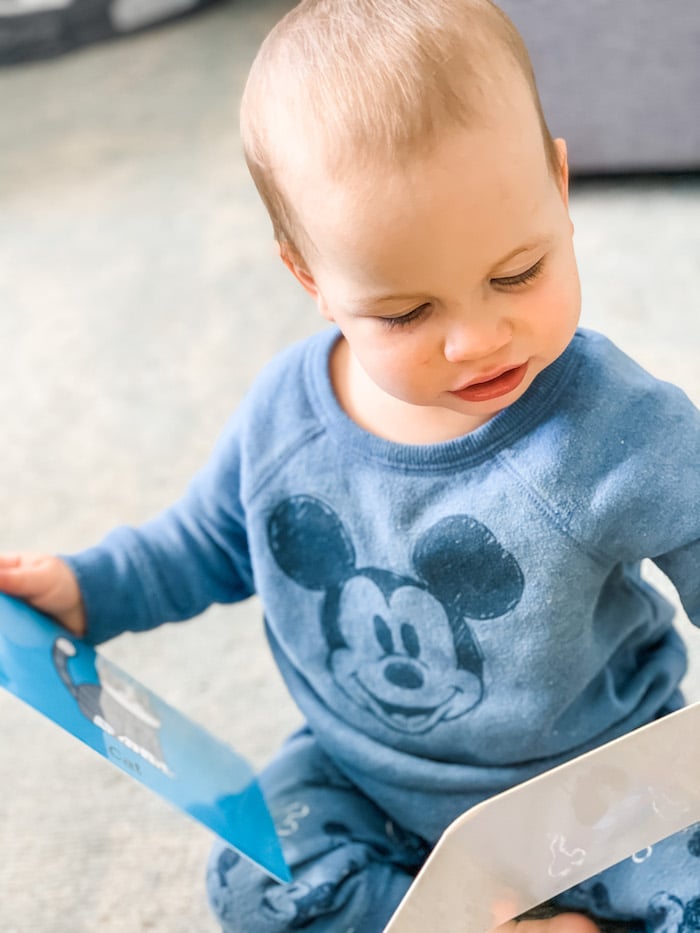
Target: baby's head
point(342, 85)
point(401, 151)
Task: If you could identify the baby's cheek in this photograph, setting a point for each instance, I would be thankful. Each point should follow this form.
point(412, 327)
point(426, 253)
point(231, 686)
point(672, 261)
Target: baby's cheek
point(395, 373)
point(557, 313)
point(408, 364)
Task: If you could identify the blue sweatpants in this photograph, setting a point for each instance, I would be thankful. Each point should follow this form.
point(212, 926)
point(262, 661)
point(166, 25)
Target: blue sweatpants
point(352, 864)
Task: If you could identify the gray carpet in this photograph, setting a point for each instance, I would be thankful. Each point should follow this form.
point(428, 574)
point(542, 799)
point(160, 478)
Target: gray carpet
point(139, 294)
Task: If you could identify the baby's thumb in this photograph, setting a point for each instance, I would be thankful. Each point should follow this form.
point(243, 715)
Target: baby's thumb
point(29, 576)
point(47, 583)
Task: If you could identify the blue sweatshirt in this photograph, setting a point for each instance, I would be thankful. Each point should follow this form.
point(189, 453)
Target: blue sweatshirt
point(454, 618)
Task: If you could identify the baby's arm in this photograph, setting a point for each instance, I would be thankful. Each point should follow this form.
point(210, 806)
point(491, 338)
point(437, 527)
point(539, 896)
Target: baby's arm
point(48, 584)
point(168, 569)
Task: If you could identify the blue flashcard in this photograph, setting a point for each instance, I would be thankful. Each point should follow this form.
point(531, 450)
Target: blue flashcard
point(70, 683)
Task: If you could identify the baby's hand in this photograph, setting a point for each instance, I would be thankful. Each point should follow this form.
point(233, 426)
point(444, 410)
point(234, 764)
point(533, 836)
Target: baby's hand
point(46, 583)
point(562, 923)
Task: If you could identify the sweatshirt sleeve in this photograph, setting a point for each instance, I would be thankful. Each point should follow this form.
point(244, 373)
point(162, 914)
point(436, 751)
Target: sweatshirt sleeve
point(176, 565)
point(649, 502)
point(679, 512)
point(682, 567)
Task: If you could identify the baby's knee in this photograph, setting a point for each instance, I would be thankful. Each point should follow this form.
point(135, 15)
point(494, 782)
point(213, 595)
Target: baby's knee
point(246, 900)
point(221, 886)
point(338, 891)
point(237, 891)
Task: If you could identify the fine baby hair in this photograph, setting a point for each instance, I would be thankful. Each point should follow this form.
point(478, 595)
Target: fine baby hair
point(371, 82)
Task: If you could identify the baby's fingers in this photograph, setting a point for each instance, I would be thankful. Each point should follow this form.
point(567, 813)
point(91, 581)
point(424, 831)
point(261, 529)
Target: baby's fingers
point(47, 584)
point(27, 575)
point(562, 923)
point(9, 560)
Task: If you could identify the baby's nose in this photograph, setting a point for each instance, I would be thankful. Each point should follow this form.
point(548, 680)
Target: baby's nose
point(475, 340)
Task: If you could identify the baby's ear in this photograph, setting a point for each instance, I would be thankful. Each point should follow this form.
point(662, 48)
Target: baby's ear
point(563, 179)
point(297, 267)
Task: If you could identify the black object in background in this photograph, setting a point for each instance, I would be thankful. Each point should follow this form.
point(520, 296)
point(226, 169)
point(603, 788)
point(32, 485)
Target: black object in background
point(37, 29)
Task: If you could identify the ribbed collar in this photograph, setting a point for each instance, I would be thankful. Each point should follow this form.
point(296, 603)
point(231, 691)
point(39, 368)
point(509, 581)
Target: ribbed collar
point(484, 442)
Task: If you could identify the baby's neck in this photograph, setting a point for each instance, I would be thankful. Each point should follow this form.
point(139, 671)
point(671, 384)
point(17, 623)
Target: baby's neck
point(386, 416)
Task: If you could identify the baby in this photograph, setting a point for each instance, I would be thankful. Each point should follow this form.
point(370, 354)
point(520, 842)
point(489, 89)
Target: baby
point(443, 499)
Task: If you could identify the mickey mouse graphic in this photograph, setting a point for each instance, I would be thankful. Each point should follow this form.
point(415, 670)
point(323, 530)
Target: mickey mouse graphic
point(400, 647)
point(666, 912)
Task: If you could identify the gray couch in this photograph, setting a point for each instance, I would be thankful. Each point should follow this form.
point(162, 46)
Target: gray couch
point(619, 79)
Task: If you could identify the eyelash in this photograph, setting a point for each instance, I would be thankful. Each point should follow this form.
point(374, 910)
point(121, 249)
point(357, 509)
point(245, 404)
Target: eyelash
point(511, 281)
point(405, 319)
point(528, 275)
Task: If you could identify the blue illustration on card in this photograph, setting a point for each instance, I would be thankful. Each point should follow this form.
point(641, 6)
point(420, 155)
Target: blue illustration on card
point(88, 696)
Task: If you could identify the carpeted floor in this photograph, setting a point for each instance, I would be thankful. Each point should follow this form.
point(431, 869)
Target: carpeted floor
point(139, 294)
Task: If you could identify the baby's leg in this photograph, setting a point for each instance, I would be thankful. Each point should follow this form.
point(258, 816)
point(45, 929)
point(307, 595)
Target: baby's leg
point(658, 887)
point(351, 863)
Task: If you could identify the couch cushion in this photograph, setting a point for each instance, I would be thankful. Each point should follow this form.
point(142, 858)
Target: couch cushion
point(619, 79)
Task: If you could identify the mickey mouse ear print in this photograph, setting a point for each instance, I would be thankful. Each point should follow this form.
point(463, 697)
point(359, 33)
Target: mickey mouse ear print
point(310, 544)
point(465, 564)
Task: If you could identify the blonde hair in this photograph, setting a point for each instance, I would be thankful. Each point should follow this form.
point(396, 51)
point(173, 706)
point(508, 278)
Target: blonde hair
point(372, 80)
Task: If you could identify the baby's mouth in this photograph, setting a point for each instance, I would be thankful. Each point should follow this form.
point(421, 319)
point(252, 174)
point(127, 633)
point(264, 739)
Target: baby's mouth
point(502, 384)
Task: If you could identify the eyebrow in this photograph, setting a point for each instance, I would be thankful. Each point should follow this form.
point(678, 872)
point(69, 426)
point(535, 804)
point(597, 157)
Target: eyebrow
point(534, 243)
point(382, 299)
point(526, 248)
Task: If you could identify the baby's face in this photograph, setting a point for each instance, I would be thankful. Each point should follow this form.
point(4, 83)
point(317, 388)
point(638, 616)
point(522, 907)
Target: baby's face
point(453, 280)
